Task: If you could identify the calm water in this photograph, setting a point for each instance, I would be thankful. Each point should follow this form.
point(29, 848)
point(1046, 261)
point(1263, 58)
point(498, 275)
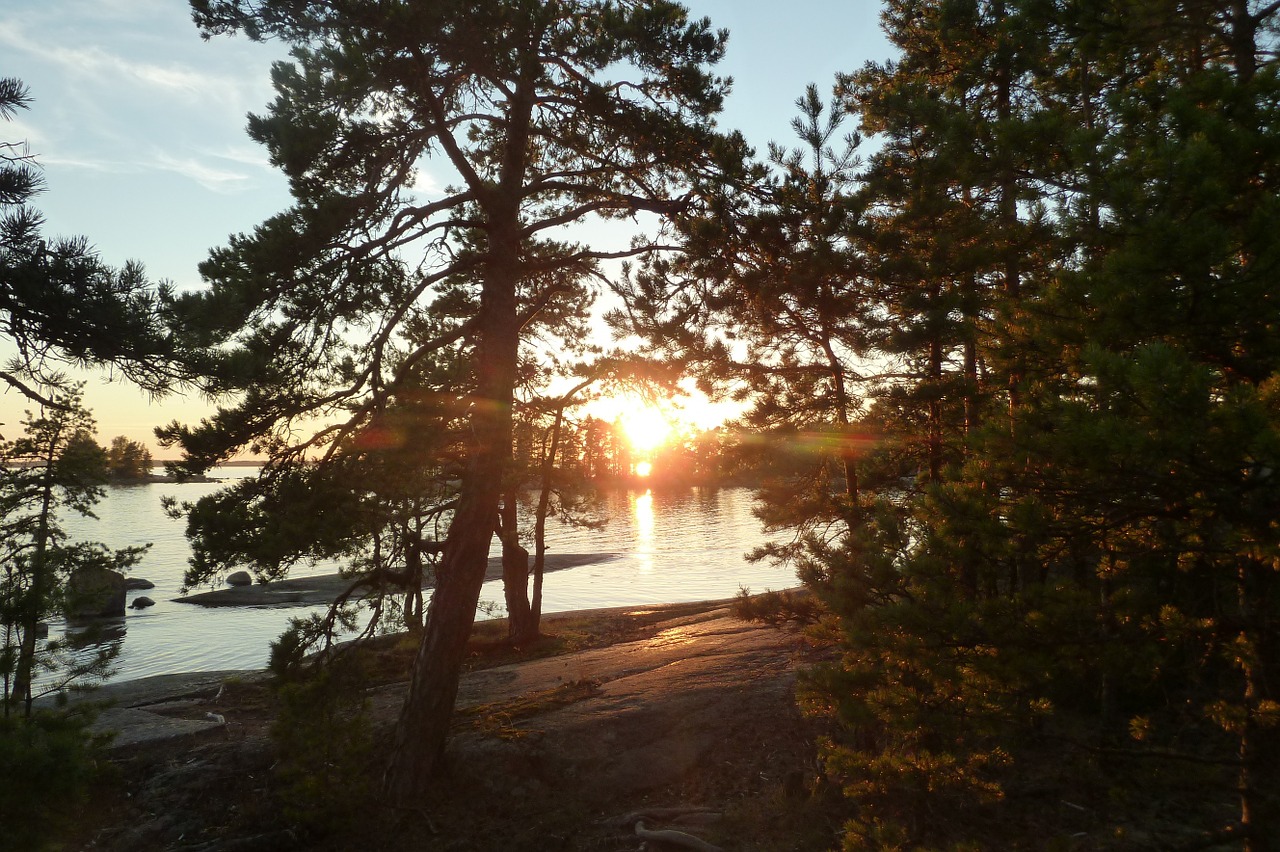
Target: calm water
point(675, 546)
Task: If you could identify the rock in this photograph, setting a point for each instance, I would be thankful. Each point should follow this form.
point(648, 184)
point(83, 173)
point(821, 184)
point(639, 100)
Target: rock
point(133, 583)
point(95, 593)
point(141, 602)
point(240, 578)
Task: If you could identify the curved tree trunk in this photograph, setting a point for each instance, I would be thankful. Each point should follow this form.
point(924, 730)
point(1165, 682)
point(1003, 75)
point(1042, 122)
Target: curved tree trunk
point(423, 726)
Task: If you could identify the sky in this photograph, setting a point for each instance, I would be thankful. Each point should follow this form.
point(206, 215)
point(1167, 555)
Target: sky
point(138, 125)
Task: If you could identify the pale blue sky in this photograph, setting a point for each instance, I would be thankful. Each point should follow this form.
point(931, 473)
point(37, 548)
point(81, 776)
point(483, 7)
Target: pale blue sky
point(139, 126)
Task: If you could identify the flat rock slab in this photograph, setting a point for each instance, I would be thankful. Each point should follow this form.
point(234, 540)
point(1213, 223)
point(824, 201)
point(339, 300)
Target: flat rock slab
point(325, 588)
point(156, 708)
point(643, 714)
point(132, 726)
point(614, 721)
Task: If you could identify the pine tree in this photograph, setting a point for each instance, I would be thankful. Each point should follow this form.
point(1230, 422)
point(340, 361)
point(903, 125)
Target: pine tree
point(771, 298)
point(514, 99)
point(60, 304)
point(48, 471)
point(1086, 568)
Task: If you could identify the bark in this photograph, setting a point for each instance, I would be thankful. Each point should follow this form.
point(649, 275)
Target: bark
point(540, 518)
point(423, 727)
point(421, 731)
point(40, 588)
point(413, 589)
point(515, 575)
point(935, 393)
point(848, 455)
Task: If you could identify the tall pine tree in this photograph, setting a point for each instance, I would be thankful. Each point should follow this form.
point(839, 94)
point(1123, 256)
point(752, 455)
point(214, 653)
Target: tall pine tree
point(543, 115)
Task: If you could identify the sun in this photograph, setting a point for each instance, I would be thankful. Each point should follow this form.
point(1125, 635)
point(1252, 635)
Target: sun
point(646, 428)
point(643, 469)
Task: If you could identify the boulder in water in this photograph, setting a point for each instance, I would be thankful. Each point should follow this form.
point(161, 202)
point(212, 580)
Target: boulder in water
point(240, 578)
point(95, 593)
point(141, 602)
point(132, 583)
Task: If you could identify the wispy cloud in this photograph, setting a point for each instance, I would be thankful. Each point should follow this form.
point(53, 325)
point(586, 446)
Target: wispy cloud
point(106, 68)
point(245, 155)
point(211, 178)
point(220, 180)
point(92, 164)
point(19, 132)
point(426, 184)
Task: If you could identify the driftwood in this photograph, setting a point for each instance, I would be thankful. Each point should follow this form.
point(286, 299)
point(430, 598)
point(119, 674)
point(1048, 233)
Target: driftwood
point(675, 838)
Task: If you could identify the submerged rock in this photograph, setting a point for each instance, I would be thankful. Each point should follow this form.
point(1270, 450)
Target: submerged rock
point(132, 583)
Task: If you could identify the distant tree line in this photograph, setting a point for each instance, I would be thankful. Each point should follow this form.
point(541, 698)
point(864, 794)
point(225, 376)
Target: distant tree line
point(599, 452)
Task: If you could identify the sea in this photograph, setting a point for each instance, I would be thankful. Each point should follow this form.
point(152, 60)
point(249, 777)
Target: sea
point(671, 546)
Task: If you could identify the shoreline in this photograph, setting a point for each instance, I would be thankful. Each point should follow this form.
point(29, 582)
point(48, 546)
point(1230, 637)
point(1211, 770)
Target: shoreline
point(325, 588)
point(156, 689)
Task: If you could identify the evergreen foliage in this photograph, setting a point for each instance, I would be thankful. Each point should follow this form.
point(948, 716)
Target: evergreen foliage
point(1056, 578)
point(59, 303)
point(48, 472)
point(325, 746)
point(47, 763)
point(372, 296)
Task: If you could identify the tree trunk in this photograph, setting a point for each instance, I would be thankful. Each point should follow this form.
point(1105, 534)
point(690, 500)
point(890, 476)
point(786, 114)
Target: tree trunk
point(515, 575)
point(41, 585)
point(540, 518)
point(413, 590)
point(423, 727)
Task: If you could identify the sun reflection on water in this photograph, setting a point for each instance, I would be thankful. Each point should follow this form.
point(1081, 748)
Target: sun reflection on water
point(643, 509)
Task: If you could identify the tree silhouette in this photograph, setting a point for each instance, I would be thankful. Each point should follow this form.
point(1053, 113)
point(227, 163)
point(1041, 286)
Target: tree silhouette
point(335, 308)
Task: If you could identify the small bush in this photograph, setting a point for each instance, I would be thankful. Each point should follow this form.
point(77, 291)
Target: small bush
point(777, 608)
point(47, 763)
point(325, 745)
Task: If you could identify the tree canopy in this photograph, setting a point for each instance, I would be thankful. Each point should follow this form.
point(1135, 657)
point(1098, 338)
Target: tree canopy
point(60, 305)
point(1060, 549)
point(377, 293)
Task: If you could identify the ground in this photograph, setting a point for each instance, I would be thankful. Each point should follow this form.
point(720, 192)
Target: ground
point(679, 717)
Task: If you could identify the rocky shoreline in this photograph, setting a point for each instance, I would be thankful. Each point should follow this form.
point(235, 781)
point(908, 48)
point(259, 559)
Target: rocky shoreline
point(325, 588)
point(677, 717)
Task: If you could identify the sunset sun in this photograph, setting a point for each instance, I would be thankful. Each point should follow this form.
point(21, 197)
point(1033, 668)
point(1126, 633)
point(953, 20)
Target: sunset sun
point(646, 429)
